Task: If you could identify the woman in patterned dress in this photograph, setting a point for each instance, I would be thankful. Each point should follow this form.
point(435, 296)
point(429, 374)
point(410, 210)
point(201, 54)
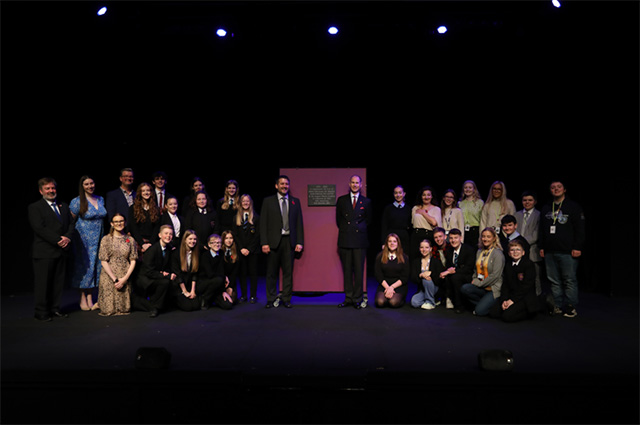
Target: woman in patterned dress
point(89, 211)
point(118, 254)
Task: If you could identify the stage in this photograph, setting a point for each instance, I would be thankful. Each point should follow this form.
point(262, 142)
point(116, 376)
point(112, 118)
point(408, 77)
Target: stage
point(316, 363)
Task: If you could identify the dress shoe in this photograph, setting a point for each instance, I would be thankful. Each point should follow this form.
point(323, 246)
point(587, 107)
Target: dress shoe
point(344, 304)
point(253, 300)
point(269, 305)
point(357, 306)
point(153, 313)
point(58, 313)
point(287, 304)
point(42, 318)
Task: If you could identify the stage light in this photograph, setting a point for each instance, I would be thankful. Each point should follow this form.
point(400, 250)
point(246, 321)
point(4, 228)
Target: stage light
point(332, 30)
point(102, 11)
point(221, 32)
point(442, 29)
point(556, 3)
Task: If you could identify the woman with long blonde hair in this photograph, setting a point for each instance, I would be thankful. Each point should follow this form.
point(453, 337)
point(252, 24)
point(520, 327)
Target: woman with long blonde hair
point(247, 232)
point(471, 205)
point(496, 206)
point(484, 289)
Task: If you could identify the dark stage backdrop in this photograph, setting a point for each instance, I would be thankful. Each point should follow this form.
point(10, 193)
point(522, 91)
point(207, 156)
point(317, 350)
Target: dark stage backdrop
point(515, 91)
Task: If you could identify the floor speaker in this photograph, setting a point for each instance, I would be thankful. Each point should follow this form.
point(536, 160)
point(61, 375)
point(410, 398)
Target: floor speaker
point(496, 360)
point(152, 358)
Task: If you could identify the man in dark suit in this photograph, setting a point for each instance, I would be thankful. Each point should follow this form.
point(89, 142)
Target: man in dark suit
point(155, 275)
point(119, 200)
point(53, 227)
point(460, 261)
point(281, 237)
point(353, 215)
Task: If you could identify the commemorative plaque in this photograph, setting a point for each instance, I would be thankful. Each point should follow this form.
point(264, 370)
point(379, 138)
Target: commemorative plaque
point(321, 195)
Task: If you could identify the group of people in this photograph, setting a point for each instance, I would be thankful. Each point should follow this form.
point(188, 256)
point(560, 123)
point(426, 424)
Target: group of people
point(155, 255)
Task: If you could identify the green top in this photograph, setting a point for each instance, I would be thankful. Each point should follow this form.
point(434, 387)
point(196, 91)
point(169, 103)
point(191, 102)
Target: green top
point(472, 211)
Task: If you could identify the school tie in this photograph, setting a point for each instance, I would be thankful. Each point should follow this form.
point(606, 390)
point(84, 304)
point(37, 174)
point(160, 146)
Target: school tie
point(285, 215)
point(55, 209)
point(455, 258)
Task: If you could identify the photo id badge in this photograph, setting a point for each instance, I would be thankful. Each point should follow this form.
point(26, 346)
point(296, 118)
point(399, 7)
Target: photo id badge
point(552, 230)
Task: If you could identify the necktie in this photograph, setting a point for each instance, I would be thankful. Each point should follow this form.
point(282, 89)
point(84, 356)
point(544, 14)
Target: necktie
point(55, 209)
point(285, 215)
point(160, 200)
point(355, 198)
point(455, 258)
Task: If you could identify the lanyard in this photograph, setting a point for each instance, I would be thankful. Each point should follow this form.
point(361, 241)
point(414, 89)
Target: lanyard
point(554, 214)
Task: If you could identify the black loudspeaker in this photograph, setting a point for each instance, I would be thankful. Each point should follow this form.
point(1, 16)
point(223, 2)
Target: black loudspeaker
point(496, 360)
point(152, 358)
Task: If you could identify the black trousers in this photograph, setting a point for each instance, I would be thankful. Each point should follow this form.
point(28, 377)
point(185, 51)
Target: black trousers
point(280, 258)
point(353, 273)
point(249, 272)
point(49, 276)
point(151, 295)
point(214, 289)
point(204, 292)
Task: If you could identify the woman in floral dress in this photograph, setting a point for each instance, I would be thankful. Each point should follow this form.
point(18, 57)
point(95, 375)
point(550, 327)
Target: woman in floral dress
point(89, 211)
point(118, 254)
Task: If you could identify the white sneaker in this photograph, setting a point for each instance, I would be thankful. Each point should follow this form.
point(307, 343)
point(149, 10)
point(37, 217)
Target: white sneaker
point(449, 304)
point(427, 306)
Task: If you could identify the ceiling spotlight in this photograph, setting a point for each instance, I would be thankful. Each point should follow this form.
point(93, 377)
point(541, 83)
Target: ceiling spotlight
point(556, 3)
point(442, 29)
point(332, 30)
point(221, 32)
point(102, 11)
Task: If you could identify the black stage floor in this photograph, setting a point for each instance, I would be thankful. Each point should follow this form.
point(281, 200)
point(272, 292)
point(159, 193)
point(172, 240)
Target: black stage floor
point(316, 363)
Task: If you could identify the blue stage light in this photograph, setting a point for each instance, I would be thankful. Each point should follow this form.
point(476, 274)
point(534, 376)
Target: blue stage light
point(442, 29)
point(102, 11)
point(332, 30)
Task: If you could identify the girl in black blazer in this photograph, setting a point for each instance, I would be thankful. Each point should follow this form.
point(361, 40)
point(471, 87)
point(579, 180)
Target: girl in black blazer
point(188, 292)
point(201, 217)
point(171, 217)
point(247, 231)
point(392, 271)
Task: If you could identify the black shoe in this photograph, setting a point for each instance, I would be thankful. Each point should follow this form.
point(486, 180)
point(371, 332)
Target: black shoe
point(253, 300)
point(287, 304)
point(42, 317)
point(153, 313)
point(344, 304)
point(269, 305)
point(58, 313)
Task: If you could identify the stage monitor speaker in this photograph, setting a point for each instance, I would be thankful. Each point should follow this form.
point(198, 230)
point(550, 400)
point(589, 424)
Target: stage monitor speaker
point(496, 360)
point(152, 358)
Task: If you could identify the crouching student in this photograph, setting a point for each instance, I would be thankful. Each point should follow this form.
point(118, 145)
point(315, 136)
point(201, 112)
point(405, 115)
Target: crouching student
point(518, 299)
point(425, 271)
point(484, 289)
point(211, 272)
point(189, 292)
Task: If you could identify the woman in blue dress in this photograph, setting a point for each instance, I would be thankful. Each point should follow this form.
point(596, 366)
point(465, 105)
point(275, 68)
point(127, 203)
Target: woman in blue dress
point(89, 211)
